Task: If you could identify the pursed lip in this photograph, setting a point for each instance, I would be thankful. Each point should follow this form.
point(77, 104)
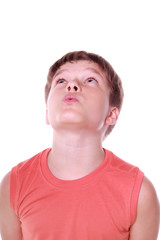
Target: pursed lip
point(70, 98)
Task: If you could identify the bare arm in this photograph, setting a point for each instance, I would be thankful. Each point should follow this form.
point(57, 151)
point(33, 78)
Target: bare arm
point(9, 223)
point(147, 222)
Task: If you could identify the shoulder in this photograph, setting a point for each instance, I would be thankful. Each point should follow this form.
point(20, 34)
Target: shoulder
point(120, 166)
point(30, 164)
point(148, 201)
point(146, 224)
point(9, 223)
point(5, 187)
point(147, 193)
point(5, 193)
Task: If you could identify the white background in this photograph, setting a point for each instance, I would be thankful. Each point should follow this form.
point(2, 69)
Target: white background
point(34, 34)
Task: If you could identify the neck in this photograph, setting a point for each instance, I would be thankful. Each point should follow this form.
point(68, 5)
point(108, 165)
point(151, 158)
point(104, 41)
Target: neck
point(75, 155)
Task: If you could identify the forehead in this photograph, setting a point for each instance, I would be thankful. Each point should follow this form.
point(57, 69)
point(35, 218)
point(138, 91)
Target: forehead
point(80, 66)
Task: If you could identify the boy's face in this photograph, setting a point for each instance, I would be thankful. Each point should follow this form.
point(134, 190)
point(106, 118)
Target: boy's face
point(79, 97)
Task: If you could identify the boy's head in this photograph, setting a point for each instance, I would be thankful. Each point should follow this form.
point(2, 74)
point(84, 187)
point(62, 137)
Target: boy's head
point(113, 80)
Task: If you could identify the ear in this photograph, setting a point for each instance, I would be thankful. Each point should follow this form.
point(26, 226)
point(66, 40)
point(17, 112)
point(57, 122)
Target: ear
point(112, 117)
point(47, 121)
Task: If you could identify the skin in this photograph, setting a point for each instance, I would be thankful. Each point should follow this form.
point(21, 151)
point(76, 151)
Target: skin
point(83, 122)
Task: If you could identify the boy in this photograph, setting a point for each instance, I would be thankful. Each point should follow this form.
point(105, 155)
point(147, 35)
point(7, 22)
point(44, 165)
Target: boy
point(77, 190)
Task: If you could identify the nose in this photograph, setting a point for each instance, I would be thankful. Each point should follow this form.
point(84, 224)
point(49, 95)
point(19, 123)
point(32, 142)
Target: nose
point(73, 86)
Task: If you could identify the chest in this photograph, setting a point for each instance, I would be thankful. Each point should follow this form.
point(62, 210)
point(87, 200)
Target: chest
point(87, 213)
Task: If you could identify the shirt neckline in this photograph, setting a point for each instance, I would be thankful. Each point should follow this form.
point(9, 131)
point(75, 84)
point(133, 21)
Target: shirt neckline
point(65, 184)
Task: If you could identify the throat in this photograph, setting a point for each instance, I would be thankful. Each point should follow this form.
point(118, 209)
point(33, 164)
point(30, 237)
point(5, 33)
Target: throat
point(74, 167)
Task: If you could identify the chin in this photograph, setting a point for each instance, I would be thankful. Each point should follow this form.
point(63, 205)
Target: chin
point(70, 117)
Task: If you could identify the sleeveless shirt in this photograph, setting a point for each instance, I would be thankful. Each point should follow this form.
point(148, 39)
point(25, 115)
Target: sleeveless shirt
point(99, 206)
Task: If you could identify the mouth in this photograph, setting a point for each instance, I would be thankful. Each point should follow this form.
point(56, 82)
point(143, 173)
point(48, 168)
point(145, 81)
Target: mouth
point(70, 98)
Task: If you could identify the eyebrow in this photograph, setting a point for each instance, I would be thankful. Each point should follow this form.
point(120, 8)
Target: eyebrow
point(66, 70)
point(94, 71)
point(59, 72)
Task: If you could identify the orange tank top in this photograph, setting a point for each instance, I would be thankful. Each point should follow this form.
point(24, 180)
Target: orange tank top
point(99, 206)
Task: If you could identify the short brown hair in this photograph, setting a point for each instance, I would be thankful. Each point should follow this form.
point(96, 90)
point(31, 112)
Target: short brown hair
point(115, 84)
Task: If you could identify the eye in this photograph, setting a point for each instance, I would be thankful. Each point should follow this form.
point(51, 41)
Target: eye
point(91, 80)
point(60, 81)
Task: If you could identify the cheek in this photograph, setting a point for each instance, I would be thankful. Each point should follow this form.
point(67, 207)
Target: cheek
point(53, 98)
point(104, 108)
point(51, 107)
point(101, 102)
